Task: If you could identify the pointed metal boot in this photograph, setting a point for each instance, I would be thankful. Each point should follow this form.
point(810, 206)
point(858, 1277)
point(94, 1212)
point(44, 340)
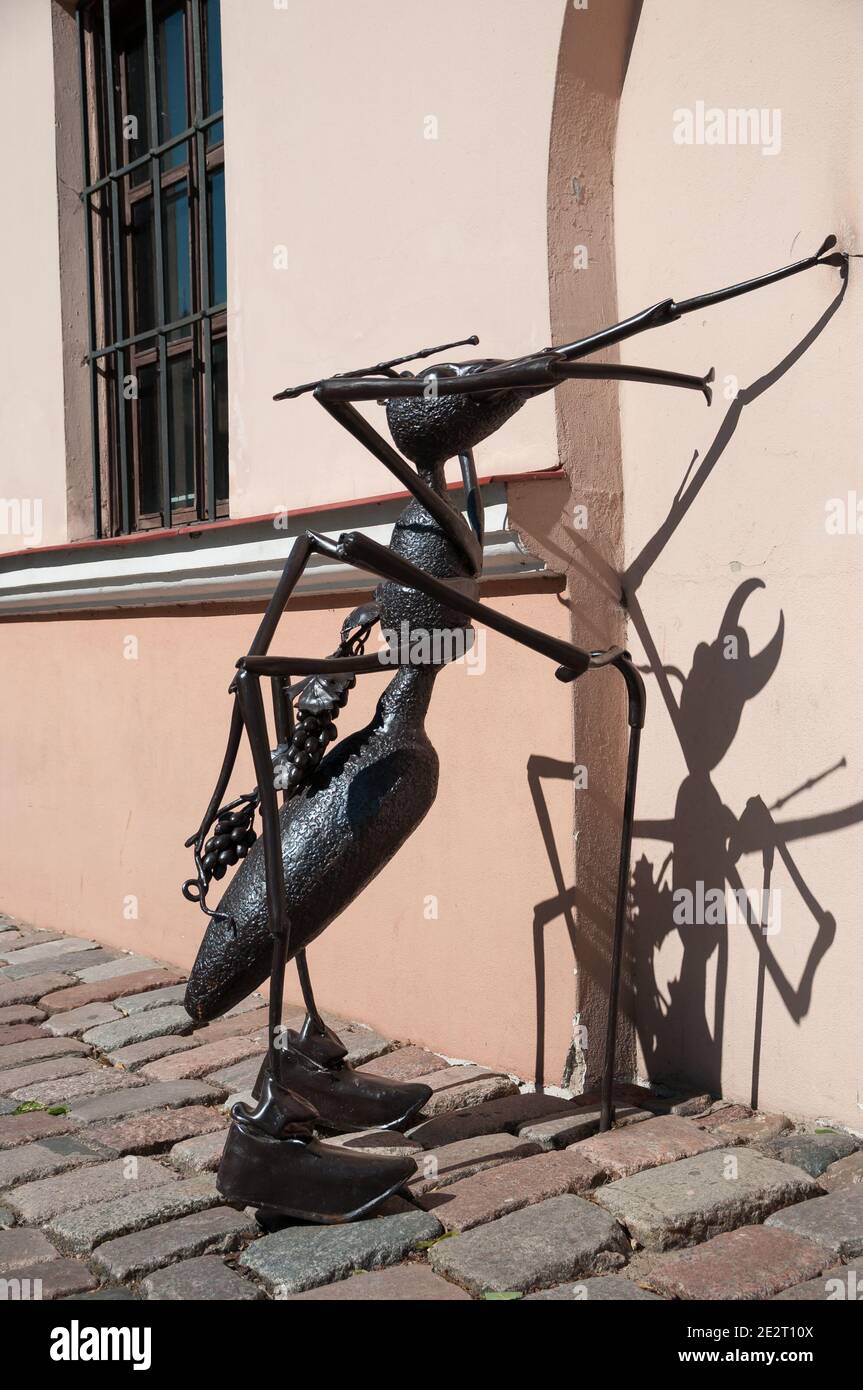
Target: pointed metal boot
point(290, 1173)
point(313, 1066)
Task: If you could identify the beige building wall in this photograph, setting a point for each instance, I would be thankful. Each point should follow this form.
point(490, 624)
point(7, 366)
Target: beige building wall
point(33, 476)
point(750, 508)
point(386, 175)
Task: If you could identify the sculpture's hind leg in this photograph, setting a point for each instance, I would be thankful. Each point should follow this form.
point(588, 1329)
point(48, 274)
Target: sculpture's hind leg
point(271, 1158)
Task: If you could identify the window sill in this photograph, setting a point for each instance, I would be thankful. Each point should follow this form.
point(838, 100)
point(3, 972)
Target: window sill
point(228, 561)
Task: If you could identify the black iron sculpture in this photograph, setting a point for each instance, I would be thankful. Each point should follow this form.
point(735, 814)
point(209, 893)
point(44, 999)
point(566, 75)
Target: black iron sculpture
point(346, 812)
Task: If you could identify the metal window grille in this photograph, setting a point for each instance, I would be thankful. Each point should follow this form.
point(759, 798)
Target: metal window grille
point(154, 240)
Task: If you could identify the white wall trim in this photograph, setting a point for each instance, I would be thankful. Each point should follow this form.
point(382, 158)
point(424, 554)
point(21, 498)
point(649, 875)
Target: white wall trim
point(225, 565)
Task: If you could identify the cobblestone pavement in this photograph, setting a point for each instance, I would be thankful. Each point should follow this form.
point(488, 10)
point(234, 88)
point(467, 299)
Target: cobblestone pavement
point(113, 1113)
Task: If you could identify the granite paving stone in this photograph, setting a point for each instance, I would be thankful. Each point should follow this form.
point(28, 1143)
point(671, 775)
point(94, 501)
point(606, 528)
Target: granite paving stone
point(491, 1117)
point(81, 1230)
point(132, 1003)
point(576, 1123)
point(110, 1293)
point(20, 1013)
point(751, 1263)
point(241, 1076)
point(622, 1152)
point(847, 1172)
point(37, 1049)
point(74, 1022)
point(29, 990)
point(207, 1058)
point(302, 1257)
point(834, 1221)
point(723, 1115)
point(12, 941)
point(23, 1247)
point(51, 949)
point(137, 1055)
point(681, 1203)
point(72, 963)
point(380, 1141)
point(201, 1154)
point(45, 1157)
point(75, 995)
point(130, 1257)
point(56, 1278)
point(157, 1130)
point(204, 1278)
point(153, 1023)
point(7, 1218)
point(756, 1130)
point(19, 1032)
point(50, 1069)
point(463, 1085)
point(442, 1167)
point(363, 1044)
point(609, 1289)
point(539, 1246)
point(158, 1095)
point(493, 1193)
point(68, 1088)
point(115, 969)
point(231, 1026)
point(839, 1284)
point(812, 1152)
point(40, 1201)
point(401, 1284)
point(34, 1124)
point(405, 1064)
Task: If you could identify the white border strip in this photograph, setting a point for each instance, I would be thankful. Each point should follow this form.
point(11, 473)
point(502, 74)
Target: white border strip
point(207, 568)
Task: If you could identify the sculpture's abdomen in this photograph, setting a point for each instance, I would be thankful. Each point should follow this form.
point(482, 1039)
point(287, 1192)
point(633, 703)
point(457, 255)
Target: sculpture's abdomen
point(368, 795)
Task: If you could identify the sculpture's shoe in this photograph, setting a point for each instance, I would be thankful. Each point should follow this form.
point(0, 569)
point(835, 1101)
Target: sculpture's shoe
point(312, 1067)
point(300, 1177)
point(346, 1099)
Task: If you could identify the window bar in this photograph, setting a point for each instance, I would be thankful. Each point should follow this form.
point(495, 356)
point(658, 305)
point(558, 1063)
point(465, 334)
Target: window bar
point(165, 147)
point(95, 461)
point(204, 264)
point(156, 180)
point(120, 357)
point(136, 338)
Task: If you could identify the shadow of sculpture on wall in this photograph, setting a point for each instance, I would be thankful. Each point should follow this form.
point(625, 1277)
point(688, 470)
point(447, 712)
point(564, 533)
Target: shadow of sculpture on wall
point(679, 1030)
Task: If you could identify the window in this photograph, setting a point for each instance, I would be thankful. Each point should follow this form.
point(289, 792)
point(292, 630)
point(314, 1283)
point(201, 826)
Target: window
point(154, 233)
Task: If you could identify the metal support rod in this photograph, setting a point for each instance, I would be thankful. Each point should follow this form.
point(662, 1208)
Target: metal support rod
point(209, 508)
point(95, 460)
point(251, 704)
point(156, 180)
point(636, 703)
point(117, 274)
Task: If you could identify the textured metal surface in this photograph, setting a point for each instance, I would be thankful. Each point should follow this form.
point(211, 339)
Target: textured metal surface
point(367, 796)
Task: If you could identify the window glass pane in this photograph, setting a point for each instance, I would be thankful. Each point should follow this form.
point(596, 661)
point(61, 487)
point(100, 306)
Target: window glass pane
point(143, 266)
point(150, 469)
point(218, 260)
point(220, 416)
point(181, 430)
point(171, 83)
point(135, 126)
point(176, 251)
point(213, 85)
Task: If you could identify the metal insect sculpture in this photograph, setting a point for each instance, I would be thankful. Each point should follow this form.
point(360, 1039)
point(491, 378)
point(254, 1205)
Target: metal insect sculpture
point(347, 809)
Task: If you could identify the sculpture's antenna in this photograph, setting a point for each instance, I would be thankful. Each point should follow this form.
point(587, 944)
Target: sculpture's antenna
point(379, 369)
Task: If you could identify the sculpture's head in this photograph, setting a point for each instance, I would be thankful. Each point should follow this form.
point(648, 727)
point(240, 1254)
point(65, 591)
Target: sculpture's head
point(433, 427)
